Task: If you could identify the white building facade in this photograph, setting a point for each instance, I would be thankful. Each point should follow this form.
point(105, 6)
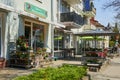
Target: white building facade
point(31, 19)
point(70, 14)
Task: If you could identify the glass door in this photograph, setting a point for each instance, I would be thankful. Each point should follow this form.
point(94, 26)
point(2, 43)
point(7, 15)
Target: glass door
point(34, 34)
point(38, 36)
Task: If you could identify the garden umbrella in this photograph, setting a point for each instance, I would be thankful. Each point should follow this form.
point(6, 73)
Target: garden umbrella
point(95, 33)
point(58, 38)
point(91, 38)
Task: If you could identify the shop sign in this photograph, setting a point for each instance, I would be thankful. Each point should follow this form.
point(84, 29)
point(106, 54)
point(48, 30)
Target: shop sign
point(35, 10)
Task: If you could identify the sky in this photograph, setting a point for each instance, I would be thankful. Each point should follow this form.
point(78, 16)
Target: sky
point(104, 16)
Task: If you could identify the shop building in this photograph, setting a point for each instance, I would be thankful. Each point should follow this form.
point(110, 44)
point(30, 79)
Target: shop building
point(29, 19)
point(70, 14)
point(5, 8)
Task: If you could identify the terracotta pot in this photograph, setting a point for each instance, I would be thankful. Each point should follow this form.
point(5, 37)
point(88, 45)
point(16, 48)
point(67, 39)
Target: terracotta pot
point(2, 62)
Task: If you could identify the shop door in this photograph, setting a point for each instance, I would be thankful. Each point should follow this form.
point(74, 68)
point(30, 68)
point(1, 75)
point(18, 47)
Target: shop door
point(38, 36)
point(34, 33)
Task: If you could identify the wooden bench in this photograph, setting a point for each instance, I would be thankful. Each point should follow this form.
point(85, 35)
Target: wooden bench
point(93, 67)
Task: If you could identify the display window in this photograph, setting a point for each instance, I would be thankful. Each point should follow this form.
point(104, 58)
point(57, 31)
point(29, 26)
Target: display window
point(34, 34)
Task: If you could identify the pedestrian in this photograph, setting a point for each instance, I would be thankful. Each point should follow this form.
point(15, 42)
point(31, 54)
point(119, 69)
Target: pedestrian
point(118, 49)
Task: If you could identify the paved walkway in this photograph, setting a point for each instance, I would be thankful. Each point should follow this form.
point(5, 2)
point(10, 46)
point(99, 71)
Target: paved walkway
point(110, 72)
point(10, 73)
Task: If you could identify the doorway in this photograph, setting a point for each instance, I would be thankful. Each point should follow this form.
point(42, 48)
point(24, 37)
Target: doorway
point(35, 34)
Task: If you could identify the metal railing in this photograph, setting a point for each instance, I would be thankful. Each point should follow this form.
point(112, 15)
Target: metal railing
point(72, 17)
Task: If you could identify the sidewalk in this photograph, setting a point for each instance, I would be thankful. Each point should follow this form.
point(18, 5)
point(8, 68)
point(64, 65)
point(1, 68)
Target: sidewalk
point(9, 73)
point(111, 72)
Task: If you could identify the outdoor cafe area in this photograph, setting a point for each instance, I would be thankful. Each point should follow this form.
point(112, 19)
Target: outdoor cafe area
point(93, 48)
point(65, 53)
point(94, 58)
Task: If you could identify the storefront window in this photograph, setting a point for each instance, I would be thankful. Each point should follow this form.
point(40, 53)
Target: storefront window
point(58, 40)
point(38, 36)
point(67, 41)
point(34, 35)
point(28, 34)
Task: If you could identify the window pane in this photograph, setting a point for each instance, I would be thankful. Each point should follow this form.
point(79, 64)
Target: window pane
point(38, 36)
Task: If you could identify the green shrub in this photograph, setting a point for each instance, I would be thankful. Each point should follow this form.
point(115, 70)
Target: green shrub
point(65, 72)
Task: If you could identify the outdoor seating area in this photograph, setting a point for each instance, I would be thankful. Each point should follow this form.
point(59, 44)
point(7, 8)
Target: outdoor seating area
point(65, 53)
point(94, 59)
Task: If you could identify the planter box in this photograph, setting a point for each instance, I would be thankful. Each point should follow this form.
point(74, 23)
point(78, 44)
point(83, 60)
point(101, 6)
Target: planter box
point(2, 62)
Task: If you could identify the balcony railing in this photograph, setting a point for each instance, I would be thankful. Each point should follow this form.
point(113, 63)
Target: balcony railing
point(72, 17)
point(90, 13)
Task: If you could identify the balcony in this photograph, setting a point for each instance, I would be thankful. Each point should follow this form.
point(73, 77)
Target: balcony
point(89, 9)
point(72, 17)
point(90, 13)
point(73, 2)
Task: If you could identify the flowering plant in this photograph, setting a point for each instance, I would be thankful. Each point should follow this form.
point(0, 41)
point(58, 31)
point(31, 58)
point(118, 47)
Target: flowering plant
point(22, 44)
point(41, 50)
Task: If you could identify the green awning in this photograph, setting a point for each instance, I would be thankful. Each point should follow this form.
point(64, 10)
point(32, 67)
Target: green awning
point(87, 38)
point(91, 38)
point(58, 38)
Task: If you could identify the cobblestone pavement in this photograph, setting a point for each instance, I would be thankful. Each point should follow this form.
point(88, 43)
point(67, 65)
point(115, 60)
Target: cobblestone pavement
point(110, 72)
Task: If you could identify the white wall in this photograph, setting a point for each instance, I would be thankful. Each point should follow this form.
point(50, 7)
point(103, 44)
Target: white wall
point(55, 13)
point(77, 8)
point(46, 5)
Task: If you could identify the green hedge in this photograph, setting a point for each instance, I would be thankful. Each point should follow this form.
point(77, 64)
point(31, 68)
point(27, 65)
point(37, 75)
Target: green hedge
point(65, 72)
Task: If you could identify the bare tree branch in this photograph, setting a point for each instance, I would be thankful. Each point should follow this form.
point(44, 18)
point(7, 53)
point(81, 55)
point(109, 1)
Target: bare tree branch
point(115, 4)
point(117, 16)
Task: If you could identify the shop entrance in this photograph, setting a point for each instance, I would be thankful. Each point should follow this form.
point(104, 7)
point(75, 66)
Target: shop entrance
point(34, 34)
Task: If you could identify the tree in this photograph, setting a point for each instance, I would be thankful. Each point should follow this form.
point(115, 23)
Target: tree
point(113, 38)
point(116, 30)
point(115, 4)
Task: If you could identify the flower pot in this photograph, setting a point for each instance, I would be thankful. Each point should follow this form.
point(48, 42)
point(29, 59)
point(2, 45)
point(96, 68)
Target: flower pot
point(2, 62)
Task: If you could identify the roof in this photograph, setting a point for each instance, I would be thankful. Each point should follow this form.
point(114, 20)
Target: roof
point(96, 23)
point(95, 33)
